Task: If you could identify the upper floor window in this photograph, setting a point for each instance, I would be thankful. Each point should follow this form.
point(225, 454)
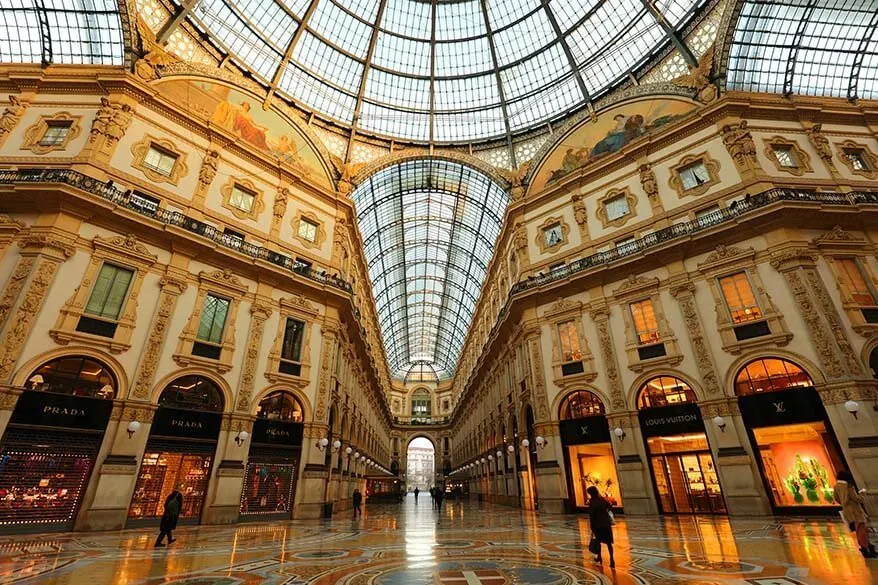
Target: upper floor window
point(785, 156)
point(553, 235)
point(144, 203)
point(570, 349)
point(739, 298)
point(857, 159)
point(422, 403)
point(770, 375)
point(109, 292)
point(160, 160)
point(213, 319)
point(665, 391)
point(291, 350)
point(242, 198)
point(617, 207)
point(645, 323)
point(851, 274)
point(580, 404)
point(56, 132)
point(694, 175)
point(307, 229)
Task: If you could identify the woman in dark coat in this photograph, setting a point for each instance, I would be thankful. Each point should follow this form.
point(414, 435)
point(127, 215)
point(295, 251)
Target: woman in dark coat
point(173, 507)
point(601, 523)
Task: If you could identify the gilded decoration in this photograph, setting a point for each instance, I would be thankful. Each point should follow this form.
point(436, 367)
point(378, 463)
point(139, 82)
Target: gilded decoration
point(821, 144)
point(308, 217)
point(14, 286)
point(699, 77)
point(12, 114)
point(155, 58)
point(601, 211)
point(249, 187)
point(259, 313)
point(740, 145)
point(171, 289)
point(601, 317)
point(123, 251)
point(836, 326)
point(800, 158)
point(676, 181)
point(140, 149)
point(33, 135)
point(110, 124)
point(649, 183)
point(685, 295)
point(580, 214)
point(552, 235)
point(869, 170)
point(539, 387)
point(517, 178)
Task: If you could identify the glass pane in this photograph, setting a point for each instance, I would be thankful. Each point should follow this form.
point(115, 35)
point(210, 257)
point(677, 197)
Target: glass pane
point(213, 319)
point(292, 344)
point(739, 298)
point(108, 295)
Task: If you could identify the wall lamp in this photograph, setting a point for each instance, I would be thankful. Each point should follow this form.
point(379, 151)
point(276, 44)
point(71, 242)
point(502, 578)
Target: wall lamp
point(241, 437)
point(511, 448)
point(499, 454)
point(720, 422)
point(322, 443)
point(853, 407)
point(132, 428)
point(348, 451)
point(336, 445)
point(525, 443)
point(541, 442)
point(620, 433)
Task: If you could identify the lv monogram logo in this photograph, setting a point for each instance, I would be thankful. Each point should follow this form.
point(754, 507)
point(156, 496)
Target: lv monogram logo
point(779, 407)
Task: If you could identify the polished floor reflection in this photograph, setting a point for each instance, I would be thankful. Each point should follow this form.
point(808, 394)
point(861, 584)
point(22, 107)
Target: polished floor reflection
point(469, 544)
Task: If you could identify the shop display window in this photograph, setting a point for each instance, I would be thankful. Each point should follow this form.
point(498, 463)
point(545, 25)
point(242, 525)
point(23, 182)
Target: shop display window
point(799, 463)
point(281, 406)
point(580, 404)
point(685, 475)
point(74, 375)
point(594, 465)
point(268, 488)
point(160, 472)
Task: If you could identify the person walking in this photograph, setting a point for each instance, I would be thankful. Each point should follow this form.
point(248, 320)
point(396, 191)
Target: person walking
point(440, 493)
point(854, 513)
point(173, 507)
point(433, 496)
point(601, 524)
point(417, 491)
point(358, 502)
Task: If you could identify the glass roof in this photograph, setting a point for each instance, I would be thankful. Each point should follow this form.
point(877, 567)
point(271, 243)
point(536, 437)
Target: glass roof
point(429, 228)
point(441, 70)
point(61, 31)
point(813, 47)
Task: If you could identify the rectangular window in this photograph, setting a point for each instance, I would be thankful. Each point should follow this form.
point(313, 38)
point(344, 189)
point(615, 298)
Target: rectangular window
point(213, 319)
point(55, 134)
point(242, 199)
point(739, 298)
point(694, 175)
point(645, 322)
point(557, 266)
point(785, 156)
point(109, 292)
point(308, 230)
point(616, 207)
point(292, 346)
point(857, 158)
point(160, 160)
point(851, 275)
point(570, 350)
point(553, 235)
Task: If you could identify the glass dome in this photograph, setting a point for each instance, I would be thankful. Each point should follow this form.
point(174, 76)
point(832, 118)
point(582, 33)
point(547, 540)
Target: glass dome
point(441, 71)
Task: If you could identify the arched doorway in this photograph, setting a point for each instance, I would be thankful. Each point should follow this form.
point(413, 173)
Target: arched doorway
point(420, 467)
point(873, 361)
point(273, 460)
point(683, 471)
point(588, 450)
point(795, 447)
point(51, 443)
point(180, 450)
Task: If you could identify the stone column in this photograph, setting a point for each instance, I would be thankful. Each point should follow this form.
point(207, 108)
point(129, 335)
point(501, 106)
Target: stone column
point(311, 491)
point(260, 311)
point(632, 465)
point(223, 501)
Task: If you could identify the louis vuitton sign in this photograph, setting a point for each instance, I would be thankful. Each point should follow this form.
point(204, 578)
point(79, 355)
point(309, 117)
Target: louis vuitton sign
point(48, 409)
point(793, 406)
point(187, 424)
point(580, 431)
point(679, 419)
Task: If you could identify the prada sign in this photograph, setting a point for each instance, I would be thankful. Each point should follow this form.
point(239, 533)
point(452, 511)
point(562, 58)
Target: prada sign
point(679, 419)
point(793, 406)
point(579, 431)
point(48, 409)
point(273, 432)
point(186, 424)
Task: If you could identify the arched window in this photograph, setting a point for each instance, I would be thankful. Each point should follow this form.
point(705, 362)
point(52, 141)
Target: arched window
point(665, 391)
point(421, 403)
point(192, 393)
point(76, 375)
point(770, 375)
point(580, 404)
point(282, 406)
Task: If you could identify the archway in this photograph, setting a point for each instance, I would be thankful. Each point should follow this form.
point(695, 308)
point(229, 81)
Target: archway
point(420, 464)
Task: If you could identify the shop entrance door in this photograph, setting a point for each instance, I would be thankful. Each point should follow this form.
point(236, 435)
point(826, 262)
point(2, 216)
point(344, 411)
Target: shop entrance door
point(687, 484)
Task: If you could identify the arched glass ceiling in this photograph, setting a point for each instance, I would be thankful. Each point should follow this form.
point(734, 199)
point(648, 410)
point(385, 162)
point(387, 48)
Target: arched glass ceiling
point(429, 227)
point(446, 71)
point(813, 47)
point(61, 31)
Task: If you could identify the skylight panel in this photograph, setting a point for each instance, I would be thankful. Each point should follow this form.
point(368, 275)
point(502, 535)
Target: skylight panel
point(463, 57)
point(391, 122)
point(398, 90)
point(533, 74)
point(459, 20)
point(365, 9)
point(408, 18)
point(340, 28)
point(402, 55)
point(598, 32)
point(297, 7)
point(324, 61)
point(251, 49)
point(468, 126)
point(504, 12)
point(466, 93)
point(675, 11)
point(270, 19)
point(316, 94)
point(569, 12)
point(523, 38)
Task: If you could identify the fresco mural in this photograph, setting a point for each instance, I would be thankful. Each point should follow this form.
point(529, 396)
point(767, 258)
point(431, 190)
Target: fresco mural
point(612, 130)
point(243, 116)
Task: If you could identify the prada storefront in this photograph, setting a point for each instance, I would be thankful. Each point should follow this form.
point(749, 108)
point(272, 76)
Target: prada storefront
point(49, 449)
point(683, 471)
point(798, 454)
point(588, 451)
point(180, 450)
point(273, 462)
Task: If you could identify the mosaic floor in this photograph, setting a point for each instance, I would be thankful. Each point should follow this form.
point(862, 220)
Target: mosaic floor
point(464, 545)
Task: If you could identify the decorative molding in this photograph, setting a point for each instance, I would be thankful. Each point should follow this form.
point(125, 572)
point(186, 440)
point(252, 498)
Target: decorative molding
point(871, 160)
point(171, 289)
point(712, 167)
point(839, 236)
point(12, 114)
point(801, 158)
point(320, 232)
point(820, 143)
point(33, 135)
point(580, 214)
point(699, 76)
point(140, 149)
point(601, 211)
point(685, 295)
point(636, 285)
point(250, 187)
point(723, 255)
point(109, 126)
point(836, 326)
point(14, 286)
point(259, 313)
point(601, 317)
point(740, 145)
point(649, 183)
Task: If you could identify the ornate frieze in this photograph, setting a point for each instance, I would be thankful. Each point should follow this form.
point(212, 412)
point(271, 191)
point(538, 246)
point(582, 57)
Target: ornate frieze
point(259, 313)
point(601, 317)
point(685, 295)
point(171, 289)
point(12, 114)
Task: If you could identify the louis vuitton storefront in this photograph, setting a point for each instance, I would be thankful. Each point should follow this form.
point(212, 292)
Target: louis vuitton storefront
point(797, 452)
point(180, 451)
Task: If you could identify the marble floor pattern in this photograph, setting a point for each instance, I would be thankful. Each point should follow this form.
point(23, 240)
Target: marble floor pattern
point(465, 544)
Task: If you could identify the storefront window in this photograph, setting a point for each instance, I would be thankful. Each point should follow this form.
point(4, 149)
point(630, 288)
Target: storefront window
point(685, 475)
point(160, 473)
point(268, 488)
point(665, 391)
point(75, 375)
point(281, 406)
point(770, 375)
point(192, 393)
point(580, 404)
point(594, 465)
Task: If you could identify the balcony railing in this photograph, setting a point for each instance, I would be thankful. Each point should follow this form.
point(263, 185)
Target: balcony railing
point(129, 200)
point(420, 420)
